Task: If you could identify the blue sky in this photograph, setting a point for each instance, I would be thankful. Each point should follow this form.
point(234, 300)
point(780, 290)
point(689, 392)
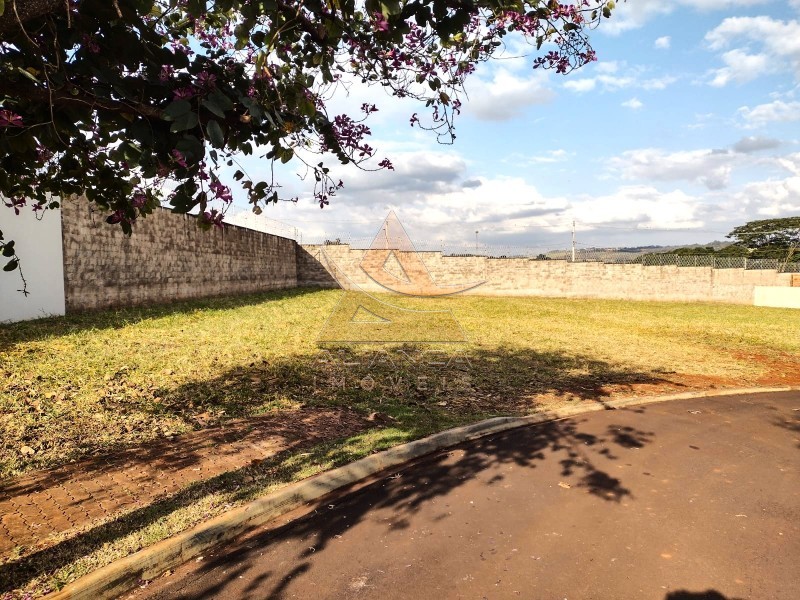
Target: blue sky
point(688, 125)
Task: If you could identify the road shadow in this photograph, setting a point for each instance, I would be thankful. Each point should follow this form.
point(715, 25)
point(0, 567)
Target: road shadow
point(789, 424)
point(707, 595)
point(580, 457)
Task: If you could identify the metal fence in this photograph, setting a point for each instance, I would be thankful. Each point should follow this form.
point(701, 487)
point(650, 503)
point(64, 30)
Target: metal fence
point(264, 224)
point(610, 256)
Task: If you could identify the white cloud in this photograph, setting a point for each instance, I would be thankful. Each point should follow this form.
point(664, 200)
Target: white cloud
point(642, 206)
point(607, 66)
point(772, 198)
point(663, 43)
point(610, 82)
point(740, 67)
point(581, 85)
point(755, 143)
point(777, 43)
point(635, 14)
point(551, 156)
point(633, 103)
point(791, 163)
point(709, 168)
point(777, 111)
point(507, 95)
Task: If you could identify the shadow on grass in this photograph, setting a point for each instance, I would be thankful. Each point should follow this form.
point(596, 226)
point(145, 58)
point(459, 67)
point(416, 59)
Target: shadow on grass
point(415, 392)
point(408, 382)
point(420, 388)
point(52, 327)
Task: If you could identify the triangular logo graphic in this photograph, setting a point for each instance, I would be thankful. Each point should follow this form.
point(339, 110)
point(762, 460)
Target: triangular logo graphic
point(362, 315)
point(394, 267)
point(392, 253)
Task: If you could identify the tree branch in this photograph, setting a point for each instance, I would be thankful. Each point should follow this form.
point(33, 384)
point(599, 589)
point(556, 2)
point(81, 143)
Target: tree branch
point(27, 11)
point(57, 98)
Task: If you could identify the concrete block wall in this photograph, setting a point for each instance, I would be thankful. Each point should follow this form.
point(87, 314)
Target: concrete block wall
point(557, 278)
point(166, 258)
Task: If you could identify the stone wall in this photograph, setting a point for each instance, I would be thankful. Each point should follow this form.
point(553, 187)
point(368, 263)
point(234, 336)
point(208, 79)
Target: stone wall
point(557, 278)
point(167, 258)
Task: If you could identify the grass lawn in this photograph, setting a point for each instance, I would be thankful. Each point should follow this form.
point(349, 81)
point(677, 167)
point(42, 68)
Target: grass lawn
point(83, 385)
point(86, 385)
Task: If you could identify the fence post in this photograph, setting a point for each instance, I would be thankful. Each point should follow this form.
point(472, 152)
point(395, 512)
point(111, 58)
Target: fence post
point(745, 263)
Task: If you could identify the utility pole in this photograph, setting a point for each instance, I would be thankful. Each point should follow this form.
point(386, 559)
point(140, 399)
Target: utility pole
point(476, 241)
point(573, 240)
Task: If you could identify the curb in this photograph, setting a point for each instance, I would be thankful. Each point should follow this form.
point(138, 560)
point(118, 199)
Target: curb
point(123, 575)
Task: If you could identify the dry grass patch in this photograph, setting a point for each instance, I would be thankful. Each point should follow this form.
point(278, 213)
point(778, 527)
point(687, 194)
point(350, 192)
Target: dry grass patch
point(88, 384)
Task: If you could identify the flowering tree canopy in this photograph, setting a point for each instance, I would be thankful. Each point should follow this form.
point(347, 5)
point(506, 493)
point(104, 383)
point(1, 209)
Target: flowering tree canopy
point(137, 102)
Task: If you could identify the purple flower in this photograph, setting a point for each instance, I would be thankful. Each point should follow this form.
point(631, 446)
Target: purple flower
point(184, 93)
point(179, 158)
point(206, 80)
point(166, 72)
point(379, 22)
point(9, 119)
point(16, 204)
point(221, 192)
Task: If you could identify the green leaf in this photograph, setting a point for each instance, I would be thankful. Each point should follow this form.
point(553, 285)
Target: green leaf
point(214, 108)
point(177, 109)
point(184, 122)
point(28, 74)
point(2, 7)
point(220, 100)
point(11, 265)
point(215, 134)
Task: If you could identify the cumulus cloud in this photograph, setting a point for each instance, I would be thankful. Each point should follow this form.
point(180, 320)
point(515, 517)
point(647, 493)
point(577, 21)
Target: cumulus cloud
point(772, 198)
point(746, 145)
point(663, 43)
point(791, 163)
point(507, 95)
point(777, 43)
point(641, 206)
point(632, 15)
point(633, 103)
point(709, 168)
point(612, 82)
point(777, 111)
point(415, 173)
point(740, 67)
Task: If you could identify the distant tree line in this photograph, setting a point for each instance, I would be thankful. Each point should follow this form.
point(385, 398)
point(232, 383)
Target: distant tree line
point(768, 238)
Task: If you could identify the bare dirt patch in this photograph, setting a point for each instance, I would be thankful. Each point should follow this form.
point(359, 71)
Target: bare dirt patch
point(44, 508)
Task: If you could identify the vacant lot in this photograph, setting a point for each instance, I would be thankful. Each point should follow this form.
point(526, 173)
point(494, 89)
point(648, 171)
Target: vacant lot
point(84, 385)
point(90, 385)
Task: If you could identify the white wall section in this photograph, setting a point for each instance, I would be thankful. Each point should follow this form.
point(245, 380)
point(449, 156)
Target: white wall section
point(38, 244)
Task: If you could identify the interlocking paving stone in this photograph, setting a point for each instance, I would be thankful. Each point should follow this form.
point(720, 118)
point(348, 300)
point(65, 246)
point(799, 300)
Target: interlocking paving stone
point(38, 506)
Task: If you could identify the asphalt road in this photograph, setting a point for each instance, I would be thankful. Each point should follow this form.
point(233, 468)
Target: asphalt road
point(684, 500)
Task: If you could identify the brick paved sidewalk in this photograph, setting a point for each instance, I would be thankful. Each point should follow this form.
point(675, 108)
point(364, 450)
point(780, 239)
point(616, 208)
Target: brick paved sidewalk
point(35, 508)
